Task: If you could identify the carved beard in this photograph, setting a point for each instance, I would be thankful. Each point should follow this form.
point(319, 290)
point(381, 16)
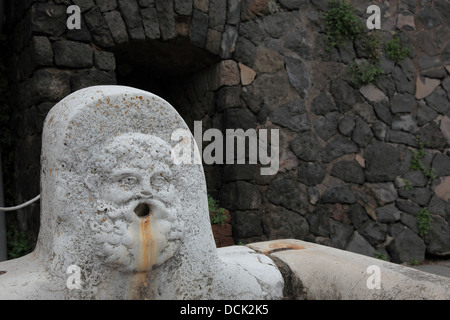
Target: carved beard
point(136, 236)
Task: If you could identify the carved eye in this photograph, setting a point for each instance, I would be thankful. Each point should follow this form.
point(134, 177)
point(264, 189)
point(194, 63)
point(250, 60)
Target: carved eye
point(159, 181)
point(128, 181)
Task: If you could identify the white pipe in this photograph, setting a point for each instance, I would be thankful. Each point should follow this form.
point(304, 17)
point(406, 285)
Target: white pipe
point(23, 205)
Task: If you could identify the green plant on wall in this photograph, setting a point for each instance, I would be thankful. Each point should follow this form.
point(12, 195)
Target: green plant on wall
point(363, 72)
point(341, 23)
point(217, 214)
point(424, 220)
point(395, 50)
point(416, 160)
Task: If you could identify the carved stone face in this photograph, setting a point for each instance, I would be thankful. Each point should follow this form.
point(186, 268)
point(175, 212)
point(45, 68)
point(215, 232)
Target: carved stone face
point(136, 226)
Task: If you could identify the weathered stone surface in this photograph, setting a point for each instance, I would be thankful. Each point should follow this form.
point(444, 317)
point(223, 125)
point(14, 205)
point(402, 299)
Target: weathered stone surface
point(402, 83)
point(106, 5)
point(291, 115)
point(337, 147)
point(83, 34)
point(299, 41)
point(267, 61)
point(166, 19)
point(343, 94)
point(445, 128)
point(217, 14)
point(73, 130)
point(421, 196)
point(425, 114)
point(253, 8)
point(287, 192)
point(284, 222)
point(402, 103)
point(388, 214)
point(48, 19)
point(84, 4)
point(150, 22)
point(87, 78)
point(42, 53)
point(407, 246)
point(238, 118)
point(441, 165)
point(49, 85)
point(298, 76)
point(374, 232)
point(406, 21)
point(379, 130)
point(347, 125)
point(383, 193)
point(247, 74)
point(425, 86)
point(326, 126)
point(429, 17)
point(340, 234)
point(362, 134)
point(311, 173)
point(432, 135)
point(271, 87)
point(306, 146)
point(117, 26)
point(348, 171)
point(104, 60)
point(322, 104)
point(73, 54)
point(401, 137)
point(233, 12)
point(98, 27)
point(132, 17)
point(241, 195)
point(372, 93)
point(228, 42)
point(382, 162)
point(245, 52)
point(438, 239)
point(339, 194)
point(224, 73)
point(442, 190)
point(358, 244)
point(183, 7)
point(438, 101)
point(244, 225)
point(405, 123)
point(319, 220)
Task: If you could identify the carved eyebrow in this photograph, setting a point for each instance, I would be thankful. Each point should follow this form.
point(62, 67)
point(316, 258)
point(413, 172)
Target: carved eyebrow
point(120, 174)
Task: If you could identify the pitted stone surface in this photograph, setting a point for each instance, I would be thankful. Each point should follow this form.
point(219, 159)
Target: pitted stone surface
point(116, 205)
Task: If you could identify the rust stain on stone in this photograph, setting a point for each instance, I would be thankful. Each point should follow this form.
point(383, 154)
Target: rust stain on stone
point(147, 245)
point(283, 246)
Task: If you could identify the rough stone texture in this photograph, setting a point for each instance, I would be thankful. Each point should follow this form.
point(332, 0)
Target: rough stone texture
point(312, 270)
point(256, 64)
point(142, 227)
point(407, 246)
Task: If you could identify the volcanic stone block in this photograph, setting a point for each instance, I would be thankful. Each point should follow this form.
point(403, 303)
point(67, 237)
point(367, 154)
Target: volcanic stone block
point(73, 54)
point(382, 162)
point(348, 171)
point(407, 246)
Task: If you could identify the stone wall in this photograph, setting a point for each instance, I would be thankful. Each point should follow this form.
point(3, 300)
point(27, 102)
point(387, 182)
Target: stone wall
point(345, 177)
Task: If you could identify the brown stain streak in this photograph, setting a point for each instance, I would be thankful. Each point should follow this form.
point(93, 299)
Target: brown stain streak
point(282, 246)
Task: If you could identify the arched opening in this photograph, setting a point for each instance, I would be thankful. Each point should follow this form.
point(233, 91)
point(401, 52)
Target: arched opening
point(175, 71)
point(167, 69)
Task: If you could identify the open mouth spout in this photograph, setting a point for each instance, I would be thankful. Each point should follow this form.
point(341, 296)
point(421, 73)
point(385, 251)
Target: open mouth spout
point(143, 210)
